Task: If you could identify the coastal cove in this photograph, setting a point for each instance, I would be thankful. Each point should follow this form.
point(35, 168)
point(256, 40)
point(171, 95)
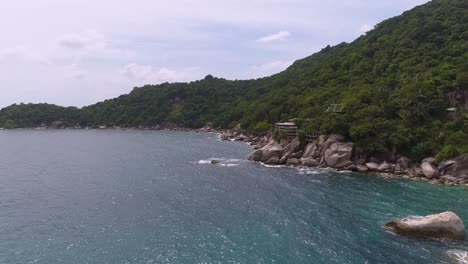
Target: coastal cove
point(137, 196)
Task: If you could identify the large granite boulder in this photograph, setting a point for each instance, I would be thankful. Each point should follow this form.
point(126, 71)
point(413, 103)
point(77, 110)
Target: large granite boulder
point(290, 149)
point(273, 161)
point(429, 170)
point(311, 151)
point(293, 146)
point(272, 149)
point(326, 142)
point(385, 167)
point(362, 168)
point(373, 166)
point(457, 167)
point(339, 154)
point(309, 162)
point(256, 155)
point(443, 225)
point(262, 142)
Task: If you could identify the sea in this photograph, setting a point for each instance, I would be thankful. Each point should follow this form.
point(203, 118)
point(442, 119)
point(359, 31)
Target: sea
point(127, 196)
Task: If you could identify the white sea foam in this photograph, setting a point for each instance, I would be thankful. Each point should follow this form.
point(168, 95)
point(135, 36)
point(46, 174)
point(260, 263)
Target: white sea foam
point(308, 171)
point(232, 165)
point(274, 166)
point(460, 256)
point(223, 162)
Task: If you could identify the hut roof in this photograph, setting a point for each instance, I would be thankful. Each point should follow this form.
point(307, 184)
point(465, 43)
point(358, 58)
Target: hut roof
point(335, 108)
point(286, 124)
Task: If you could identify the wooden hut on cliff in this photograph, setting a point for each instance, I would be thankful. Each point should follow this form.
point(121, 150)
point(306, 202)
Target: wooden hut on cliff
point(288, 130)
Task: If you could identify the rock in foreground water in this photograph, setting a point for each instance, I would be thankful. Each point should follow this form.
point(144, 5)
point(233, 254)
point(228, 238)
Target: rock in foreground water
point(443, 225)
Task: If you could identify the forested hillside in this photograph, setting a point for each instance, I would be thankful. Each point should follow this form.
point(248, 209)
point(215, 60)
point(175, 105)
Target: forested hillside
point(395, 84)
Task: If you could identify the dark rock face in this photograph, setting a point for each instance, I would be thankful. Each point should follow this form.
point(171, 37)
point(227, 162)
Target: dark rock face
point(443, 225)
point(57, 124)
point(457, 167)
point(262, 142)
point(293, 162)
point(310, 162)
point(273, 161)
point(403, 164)
point(290, 151)
point(458, 97)
point(311, 151)
point(256, 155)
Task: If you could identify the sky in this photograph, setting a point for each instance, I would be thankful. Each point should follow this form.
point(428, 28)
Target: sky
point(79, 52)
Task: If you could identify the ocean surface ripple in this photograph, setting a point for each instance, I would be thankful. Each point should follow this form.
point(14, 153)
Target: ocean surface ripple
point(101, 196)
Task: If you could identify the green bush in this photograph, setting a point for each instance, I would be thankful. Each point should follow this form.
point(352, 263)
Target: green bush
point(448, 152)
point(459, 140)
point(262, 127)
point(9, 124)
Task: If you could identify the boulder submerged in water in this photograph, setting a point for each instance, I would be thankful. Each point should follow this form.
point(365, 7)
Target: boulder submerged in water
point(443, 225)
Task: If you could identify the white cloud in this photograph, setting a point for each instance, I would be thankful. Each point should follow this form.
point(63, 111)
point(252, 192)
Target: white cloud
point(274, 37)
point(147, 74)
point(365, 28)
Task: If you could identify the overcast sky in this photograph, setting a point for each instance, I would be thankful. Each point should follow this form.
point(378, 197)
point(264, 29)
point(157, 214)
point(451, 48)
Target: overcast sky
point(78, 52)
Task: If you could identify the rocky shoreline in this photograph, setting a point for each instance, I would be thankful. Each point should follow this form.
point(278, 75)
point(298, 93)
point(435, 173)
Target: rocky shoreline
point(328, 151)
point(333, 151)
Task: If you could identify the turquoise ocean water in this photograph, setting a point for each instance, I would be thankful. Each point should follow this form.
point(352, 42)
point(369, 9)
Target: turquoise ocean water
point(100, 196)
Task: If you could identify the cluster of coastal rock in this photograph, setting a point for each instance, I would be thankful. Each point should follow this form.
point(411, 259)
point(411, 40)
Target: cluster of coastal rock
point(333, 151)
